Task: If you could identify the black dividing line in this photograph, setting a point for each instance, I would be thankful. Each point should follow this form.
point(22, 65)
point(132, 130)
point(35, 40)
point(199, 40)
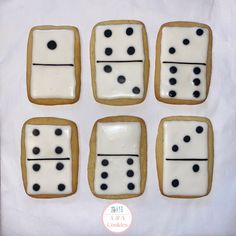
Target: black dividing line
point(104, 155)
point(119, 61)
point(186, 159)
point(47, 159)
point(40, 64)
point(186, 63)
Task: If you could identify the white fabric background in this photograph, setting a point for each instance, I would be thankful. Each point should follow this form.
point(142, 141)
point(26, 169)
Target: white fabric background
point(80, 214)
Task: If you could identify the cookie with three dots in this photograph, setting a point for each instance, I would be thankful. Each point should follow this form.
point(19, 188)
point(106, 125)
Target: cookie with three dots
point(117, 165)
point(119, 62)
point(183, 63)
point(49, 157)
point(53, 65)
point(184, 152)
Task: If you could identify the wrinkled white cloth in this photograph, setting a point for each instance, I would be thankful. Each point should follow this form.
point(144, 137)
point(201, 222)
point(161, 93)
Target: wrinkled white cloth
point(80, 214)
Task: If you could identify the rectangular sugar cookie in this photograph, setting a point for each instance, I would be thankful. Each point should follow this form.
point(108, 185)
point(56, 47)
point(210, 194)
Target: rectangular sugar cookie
point(53, 65)
point(118, 157)
point(119, 62)
point(183, 63)
point(49, 157)
point(184, 154)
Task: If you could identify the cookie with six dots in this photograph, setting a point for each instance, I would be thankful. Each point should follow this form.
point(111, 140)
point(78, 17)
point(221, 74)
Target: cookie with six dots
point(53, 65)
point(117, 165)
point(119, 62)
point(183, 63)
point(49, 157)
point(185, 151)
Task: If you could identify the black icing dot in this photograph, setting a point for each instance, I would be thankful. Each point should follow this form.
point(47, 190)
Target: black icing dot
point(36, 132)
point(196, 94)
point(59, 166)
point(58, 132)
point(107, 68)
point(121, 79)
point(58, 150)
point(136, 90)
point(36, 167)
point(173, 69)
point(172, 93)
point(196, 81)
point(172, 81)
point(108, 51)
point(130, 173)
point(129, 31)
point(175, 148)
point(104, 175)
point(107, 33)
point(199, 129)
point(186, 138)
point(105, 162)
point(61, 187)
point(131, 186)
point(131, 50)
point(103, 186)
point(196, 168)
point(175, 183)
point(199, 32)
point(196, 70)
point(186, 41)
point(36, 150)
point(36, 187)
point(130, 161)
point(52, 45)
point(172, 50)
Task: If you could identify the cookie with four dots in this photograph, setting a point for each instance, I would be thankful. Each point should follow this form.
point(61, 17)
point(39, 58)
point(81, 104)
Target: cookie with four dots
point(117, 165)
point(119, 62)
point(49, 157)
point(53, 65)
point(183, 63)
point(184, 152)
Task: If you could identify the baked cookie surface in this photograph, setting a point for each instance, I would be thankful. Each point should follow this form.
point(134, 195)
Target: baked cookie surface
point(184, 153)
point(53, 65)
point(119, 62)
point(183, 63)
point(118, 157)
point(49, 157)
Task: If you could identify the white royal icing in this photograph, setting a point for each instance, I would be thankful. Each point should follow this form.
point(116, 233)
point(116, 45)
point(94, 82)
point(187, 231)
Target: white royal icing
point(48, 177)
point(53, 81)
point(194, 52)
point(118, 138)
point(107, 84)
point(190, 183)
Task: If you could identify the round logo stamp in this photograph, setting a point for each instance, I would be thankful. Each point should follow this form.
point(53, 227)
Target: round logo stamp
point(117, 218)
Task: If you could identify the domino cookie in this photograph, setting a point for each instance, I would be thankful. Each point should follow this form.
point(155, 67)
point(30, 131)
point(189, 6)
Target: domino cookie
point(119, 62)
point(184, 154)
point(183, 63)
point(49, 157)
point(117, 165)
point(53, 65)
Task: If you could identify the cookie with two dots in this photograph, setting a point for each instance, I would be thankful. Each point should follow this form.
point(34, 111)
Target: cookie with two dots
point(53, 65)
point(49, 157)
point(119, 62)
point(184, 152)
point(117, 165)
point(183, 63)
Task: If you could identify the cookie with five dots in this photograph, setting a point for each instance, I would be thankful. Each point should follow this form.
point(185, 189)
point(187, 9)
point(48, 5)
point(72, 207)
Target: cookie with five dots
point(184, 152)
